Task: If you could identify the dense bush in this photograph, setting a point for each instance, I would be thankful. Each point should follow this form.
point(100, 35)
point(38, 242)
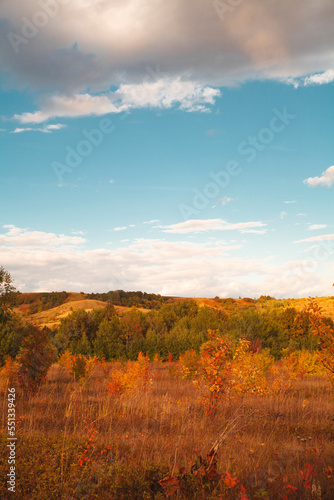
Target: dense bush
point(129, 299)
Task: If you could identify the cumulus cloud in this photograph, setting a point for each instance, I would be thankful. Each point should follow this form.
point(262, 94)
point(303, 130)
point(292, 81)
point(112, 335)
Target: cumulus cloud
point(189, 96)
point(320, 78)
point(326, 179)
point(29, 239)
point(199, 225)
point(99, 45)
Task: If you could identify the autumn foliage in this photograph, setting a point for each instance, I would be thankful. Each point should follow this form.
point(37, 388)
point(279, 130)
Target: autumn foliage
point(126, 379)
point(227, 370)
point(325, 333)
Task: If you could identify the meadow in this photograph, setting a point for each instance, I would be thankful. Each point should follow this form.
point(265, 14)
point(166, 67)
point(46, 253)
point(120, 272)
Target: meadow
point(81, 438)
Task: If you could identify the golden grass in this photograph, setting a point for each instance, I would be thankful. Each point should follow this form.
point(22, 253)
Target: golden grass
point(149, 433)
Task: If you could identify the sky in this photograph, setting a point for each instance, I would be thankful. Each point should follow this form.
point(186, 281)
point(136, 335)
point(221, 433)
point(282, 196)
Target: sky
point(180, 148)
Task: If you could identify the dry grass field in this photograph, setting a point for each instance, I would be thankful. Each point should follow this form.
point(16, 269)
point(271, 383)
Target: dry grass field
point(79, 441)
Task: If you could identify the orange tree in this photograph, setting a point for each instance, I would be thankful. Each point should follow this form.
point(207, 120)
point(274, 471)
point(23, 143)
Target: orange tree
point(323, 328)
point(227, 370)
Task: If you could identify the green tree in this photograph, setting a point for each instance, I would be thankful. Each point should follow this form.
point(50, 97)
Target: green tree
point(12, 334)
point(77, 331)
point(8, 293)
point(109, 341)
point(35, 357)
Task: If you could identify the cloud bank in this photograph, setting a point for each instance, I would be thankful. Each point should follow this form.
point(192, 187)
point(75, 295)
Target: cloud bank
point(41, 261)
point(86, 54)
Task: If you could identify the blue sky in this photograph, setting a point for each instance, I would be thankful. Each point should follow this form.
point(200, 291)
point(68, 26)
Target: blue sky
point(192, 155)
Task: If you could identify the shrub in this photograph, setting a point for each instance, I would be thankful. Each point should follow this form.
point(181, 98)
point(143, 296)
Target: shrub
point(125, 380)
point(78, 365)
point(189, 363)
point(228, 371)
point(300, 363)
point(8, 373)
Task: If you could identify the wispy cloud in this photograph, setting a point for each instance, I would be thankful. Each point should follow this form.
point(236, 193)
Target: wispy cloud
point(47, 129)
point(326, 179)
point(323, 237)
point(122, 228)
point(199, 225)
point(289, 202)
point(153, 221)
point(314, 227)
point(254, 231)
point(223, 201)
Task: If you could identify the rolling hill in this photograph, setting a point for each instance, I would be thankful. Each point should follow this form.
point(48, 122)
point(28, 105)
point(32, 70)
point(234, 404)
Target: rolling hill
point(52, 316)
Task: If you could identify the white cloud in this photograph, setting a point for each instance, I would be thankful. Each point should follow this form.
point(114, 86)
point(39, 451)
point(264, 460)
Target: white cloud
point(289, 202)
point(199, 225)
point(78, 232)
point(326, 178)
point(122, 228)
point(319, 79)
point(46, 129)
point(314, 227)
point(18, 237)
point(189, 96)
point(282, 215)
point(153, 221)
point(254, 231)
point(322, 237)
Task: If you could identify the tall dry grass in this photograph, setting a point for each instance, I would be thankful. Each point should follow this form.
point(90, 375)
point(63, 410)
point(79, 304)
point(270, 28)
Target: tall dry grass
point(141, 438)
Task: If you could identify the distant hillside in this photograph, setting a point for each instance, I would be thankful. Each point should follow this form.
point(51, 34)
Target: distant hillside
point(130, 299)
point(48, 308)
point(75, 301)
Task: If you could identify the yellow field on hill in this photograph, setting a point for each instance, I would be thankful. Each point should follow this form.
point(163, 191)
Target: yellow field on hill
point(51, 317)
